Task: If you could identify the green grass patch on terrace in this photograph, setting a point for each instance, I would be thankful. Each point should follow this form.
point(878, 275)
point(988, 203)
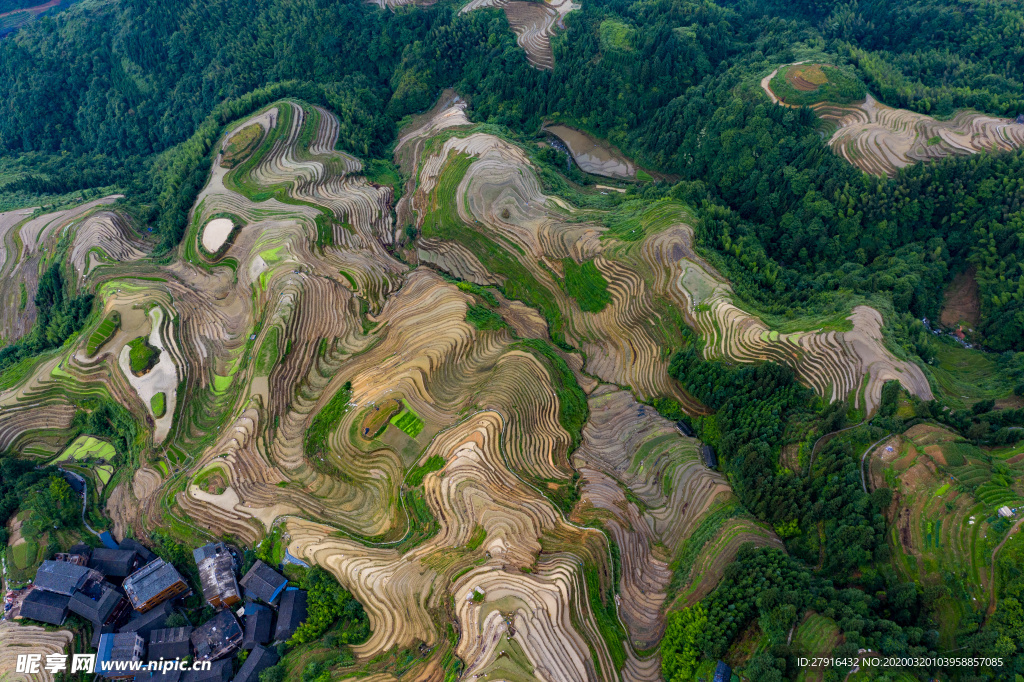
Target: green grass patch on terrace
point(158, 403)
point(142, 357)
point(384, 172)
point(602, 605)
point(350, 279)
point(634, 219)
point(442, 222)
point(585, 283)
point(484, 318)
point(269, 352)
point(86, 447)
point(103, 333)
point(816, 636)
point(477, 538)
point(483, 292)
point(965, 376)
point(408, 421)
point(416, 474)
point(326, 421)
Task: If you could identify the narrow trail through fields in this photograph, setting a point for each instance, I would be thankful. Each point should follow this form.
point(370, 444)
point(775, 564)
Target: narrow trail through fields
point(863, 480)
point(85, 500)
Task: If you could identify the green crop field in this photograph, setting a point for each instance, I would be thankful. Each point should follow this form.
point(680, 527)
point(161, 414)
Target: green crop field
point(587, 285)
point(103, 333)
point(87, 447)
point(408, 421)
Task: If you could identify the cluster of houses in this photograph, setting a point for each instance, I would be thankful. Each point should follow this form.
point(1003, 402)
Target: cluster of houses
point(128, 595)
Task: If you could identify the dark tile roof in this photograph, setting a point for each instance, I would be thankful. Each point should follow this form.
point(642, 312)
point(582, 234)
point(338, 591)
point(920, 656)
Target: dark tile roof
point(144, 552)
point(290, 613)
point(145, 623)
point(217, 573)
point(45, 607)
point(220, 671)
point(162, 676)
point(117, 563)
point(84, 550)
point(63, 577)
point(119, 646)
point(96, 604)
point(217, 637)
point(263, 583)
point(259, 660)
point(209, 550)
point(168, 643)
point(150, 580)
point(707, 453)
point(259, 622)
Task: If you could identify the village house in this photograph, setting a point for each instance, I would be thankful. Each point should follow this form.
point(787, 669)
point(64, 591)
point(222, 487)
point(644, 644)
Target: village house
point(119, 647)
point(217, 637)
point(217, 575)
point(155, 582)
point(263, 583)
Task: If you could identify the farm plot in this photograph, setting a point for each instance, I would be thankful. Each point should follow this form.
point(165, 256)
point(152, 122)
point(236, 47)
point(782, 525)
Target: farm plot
point(534, 24)
point(850, 364)
point(943, 507)
point(879, 139)
point(282, 367)
point(18, 639)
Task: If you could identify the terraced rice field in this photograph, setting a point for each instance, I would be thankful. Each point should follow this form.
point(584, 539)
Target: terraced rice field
point(880, 140)
point(24, 639)
point(486, 494)
point(940, 530)
point(534, 23)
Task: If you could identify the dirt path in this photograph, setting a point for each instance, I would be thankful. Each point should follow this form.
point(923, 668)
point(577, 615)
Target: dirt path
point(863, 480)
point(992, 570)
point(765, 85)
point(830, 435)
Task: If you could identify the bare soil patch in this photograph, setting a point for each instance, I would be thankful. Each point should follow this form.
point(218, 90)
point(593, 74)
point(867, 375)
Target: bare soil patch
point(216, 233)
point(961, 303)
point(935, 452)
point(807, 78)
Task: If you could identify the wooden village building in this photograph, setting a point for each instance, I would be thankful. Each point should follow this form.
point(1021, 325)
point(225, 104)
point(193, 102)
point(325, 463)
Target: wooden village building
point(169, 643)
point(64, 577)
point(290, 614)
point(114, 563)
point(217, 637)
point(45, 607)
point(126, 646)
point(145, 623)
point(154, 583)
point(102, 604)
point(263, 583)
point(217, 575)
